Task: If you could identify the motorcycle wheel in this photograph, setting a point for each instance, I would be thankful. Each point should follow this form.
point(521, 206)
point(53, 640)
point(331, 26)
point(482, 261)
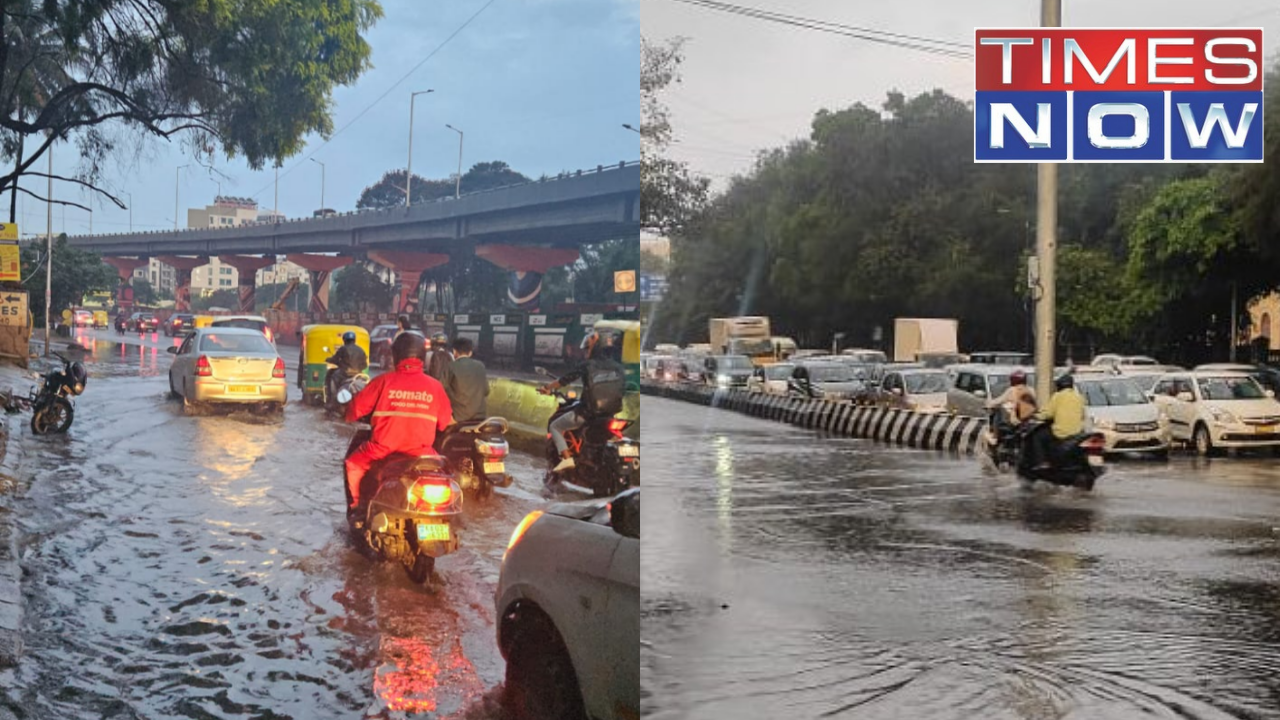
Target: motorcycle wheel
point(53, 417)
point(421, 569)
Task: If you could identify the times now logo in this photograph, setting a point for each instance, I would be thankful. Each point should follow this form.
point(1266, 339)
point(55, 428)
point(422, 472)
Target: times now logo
point(1109, 95)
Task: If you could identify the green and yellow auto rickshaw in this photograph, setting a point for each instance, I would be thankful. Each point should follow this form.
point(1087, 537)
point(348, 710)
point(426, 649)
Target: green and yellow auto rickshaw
point(630, 331)
point(317, 344)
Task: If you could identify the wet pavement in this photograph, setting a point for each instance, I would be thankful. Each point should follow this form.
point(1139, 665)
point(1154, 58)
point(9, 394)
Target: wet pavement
point(789, 575)
point(199, 567)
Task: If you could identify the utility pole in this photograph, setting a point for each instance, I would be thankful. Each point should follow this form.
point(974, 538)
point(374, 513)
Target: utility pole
point(175, 195)
point(408, 173)
point(275, 205)
point(321, 184)
point(130, 211)
point(1046, 245)
point(48, 262)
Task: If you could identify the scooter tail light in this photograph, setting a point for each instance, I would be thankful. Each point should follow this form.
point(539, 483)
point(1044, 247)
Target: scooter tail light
point(616, 426)
point(432, 494)
point(491, 449)
point(203, 368)
point(1094, 444)
point(278, 370)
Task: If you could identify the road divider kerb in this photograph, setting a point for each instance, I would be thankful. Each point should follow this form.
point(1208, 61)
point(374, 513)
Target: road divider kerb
point(956, 434)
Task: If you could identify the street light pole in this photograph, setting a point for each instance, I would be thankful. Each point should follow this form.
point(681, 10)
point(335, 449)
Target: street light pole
point(1046, 244)
point(48, 261)
point(321, 183)
point(175, 195)
point(631, 128)
point(130, 211)
point(457, 190)
point(408, 173)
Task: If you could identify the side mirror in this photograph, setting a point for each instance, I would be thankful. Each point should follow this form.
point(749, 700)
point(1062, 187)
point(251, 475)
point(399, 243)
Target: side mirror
point(1185, 396)
point(172, 350)
point(624, 514)
point(980, 393)
point(1271, 393)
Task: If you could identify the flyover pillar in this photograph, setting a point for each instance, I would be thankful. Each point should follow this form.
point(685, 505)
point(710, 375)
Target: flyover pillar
point(409, 266)
point(527, 266)
point(124, 267)
point(319, 268)
point(247, 266)
point(182, 266)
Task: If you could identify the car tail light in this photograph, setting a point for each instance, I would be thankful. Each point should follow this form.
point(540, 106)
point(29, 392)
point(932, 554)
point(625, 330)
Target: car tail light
point(278, 370)
point(430, 494)
point(203, 368)
point(523, 527)
point(616, 427)
point(270, 336)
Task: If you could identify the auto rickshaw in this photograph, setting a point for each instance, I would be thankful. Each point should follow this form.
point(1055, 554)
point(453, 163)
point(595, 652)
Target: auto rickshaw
point(101, 320)
point(317, 344)
point(630, 331)
point(203, 321)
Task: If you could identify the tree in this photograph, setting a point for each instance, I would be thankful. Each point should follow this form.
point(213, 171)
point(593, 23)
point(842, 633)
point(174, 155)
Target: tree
point(76, 273)
point(225, 298)
point(669, 193)
point(388, 192)
point(252, 77)
point(358, 289)
point(143, 293)
point(593, 273)
point(490, 175)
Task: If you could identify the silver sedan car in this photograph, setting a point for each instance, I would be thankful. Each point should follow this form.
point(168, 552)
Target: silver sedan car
point(227, 365)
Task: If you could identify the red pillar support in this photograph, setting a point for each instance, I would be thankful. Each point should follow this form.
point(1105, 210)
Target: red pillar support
point(527, 265)
point(410, 266)
point(125, 267)
point(182, 266)
point(247, 266)
point(319, 268)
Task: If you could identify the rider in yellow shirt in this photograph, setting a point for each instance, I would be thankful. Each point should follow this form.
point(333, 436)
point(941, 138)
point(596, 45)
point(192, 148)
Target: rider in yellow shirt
point(1066, 410)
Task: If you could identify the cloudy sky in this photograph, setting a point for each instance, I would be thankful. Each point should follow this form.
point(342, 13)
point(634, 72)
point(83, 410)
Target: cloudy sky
point(544, 85)
point(750, 84)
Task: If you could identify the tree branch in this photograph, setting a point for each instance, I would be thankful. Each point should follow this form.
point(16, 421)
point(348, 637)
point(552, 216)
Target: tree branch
point(55, 202)
point(78, 181)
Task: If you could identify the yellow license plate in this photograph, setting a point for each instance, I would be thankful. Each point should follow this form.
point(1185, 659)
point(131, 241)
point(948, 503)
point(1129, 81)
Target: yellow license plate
point(1264, 429)
point(494, 467)
point(433, 531)
point(242, 389)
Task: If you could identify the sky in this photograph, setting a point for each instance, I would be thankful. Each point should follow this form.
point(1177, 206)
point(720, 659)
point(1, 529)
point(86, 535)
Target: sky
point(749, 84)
point(544, 85)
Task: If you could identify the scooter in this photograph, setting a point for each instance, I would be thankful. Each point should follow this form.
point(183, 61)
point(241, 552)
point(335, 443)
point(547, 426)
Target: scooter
point(1074, 462)
point(477, 452)
point(605, 461)
point(339, 390)
point(413, 513)
point(50, 403)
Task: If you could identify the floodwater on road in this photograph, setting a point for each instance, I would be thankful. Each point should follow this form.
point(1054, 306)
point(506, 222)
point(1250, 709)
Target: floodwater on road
point(790, 575)
point(199, 567)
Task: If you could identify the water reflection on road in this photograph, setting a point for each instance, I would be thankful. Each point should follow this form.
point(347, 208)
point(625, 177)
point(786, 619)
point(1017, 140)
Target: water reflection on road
point(788, 575)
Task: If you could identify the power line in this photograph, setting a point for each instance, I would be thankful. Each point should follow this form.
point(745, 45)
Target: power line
point(946, 48)
point(381, 97)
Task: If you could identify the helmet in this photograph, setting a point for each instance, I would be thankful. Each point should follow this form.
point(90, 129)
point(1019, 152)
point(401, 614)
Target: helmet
point(348, 337)
point(439, 340)
point(78, 376)
point(1064, 382)
point(600, 343)
point(408, 345)
point(1017, 377)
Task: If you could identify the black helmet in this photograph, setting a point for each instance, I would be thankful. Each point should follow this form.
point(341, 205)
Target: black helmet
point(348, 337)
point(79, 377)
point(600, 343)
point(439, 341)
point(408, 345)
point(1064, 382)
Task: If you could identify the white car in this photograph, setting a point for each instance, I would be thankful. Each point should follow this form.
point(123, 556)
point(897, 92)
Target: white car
point(227, 365)
point(1113, 360)
point(568, 608)
point(771, 379)
point(1215, 410)
point(1118, 407)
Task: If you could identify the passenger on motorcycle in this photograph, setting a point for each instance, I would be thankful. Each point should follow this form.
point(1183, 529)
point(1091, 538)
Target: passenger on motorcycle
point(603, 384)
point(440, 358)
point(407, 408)
point(467, 384)
point(1066, 411)
point(1019, 397)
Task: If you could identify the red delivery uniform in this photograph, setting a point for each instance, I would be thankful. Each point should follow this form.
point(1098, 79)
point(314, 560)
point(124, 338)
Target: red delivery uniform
point(408, 407)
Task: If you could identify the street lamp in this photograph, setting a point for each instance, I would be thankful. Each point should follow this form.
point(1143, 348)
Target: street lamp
point(130, 211)
point(175, 195)
point(629, 127)
point(408, 174)
point(321, 183)
point(457, 190)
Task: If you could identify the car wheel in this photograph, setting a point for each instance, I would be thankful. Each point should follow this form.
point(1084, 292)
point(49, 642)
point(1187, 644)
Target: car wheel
point(540, 681)
point(1202, 441)
point(173, 393)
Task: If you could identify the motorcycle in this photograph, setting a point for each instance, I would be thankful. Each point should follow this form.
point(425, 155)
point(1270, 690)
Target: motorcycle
point(477, 451)
point(51, 406)
point(1076, 461)
point(339, 390)
point(1002, 439)
point(606, 461)
point(413, 513)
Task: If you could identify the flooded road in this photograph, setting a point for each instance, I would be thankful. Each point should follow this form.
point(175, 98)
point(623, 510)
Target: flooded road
point(788, 575)
point(199, 567)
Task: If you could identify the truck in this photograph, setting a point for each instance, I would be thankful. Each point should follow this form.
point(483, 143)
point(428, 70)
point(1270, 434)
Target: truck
point(743, 336)
point(914, 338)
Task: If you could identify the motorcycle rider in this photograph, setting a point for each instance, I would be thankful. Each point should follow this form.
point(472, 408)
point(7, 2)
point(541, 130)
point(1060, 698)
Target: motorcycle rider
point(440, 358)
point(1066, 411)
point(350, 360)
point(1019, 396)
point(407, 408)
point(466, 383)
point(603, 384)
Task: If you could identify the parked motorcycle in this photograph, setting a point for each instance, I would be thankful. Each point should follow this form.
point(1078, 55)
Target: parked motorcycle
point(606, 461)
point(413, 513)
point(50, 403)
point(477, 452)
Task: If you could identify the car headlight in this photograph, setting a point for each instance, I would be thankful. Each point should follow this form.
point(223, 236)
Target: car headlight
point(1104, 424)
point(723, 379)
point(1223, 416)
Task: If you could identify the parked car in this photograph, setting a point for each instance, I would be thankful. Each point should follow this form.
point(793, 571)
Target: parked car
point(865, 355)
point(1000, 357)
point(1268, 377)
point(380, 338)
point(772, 379)
point(1216, 409)
point(834, 380)
point(1119, 408)
point(227, 365)
point(728, 370)
point(568, 609)
point(920, 389)
point(142, 322)
point(1123, 360)
point(82, 318)
point(250, 322)
point(179, 324)
point(974, 384)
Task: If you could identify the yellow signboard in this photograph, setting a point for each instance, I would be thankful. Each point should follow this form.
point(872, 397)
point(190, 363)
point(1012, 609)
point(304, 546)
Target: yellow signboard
point(13, 308)
point(10, 261)
point(8, 231)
